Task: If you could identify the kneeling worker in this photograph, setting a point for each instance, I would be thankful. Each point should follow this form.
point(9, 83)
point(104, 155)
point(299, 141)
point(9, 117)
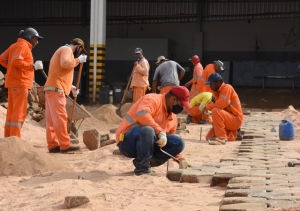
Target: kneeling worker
point(227, 114)
point(149, 125)
point(197, 104)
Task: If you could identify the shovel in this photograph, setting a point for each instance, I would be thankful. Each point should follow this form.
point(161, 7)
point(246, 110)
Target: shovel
point(124, 95)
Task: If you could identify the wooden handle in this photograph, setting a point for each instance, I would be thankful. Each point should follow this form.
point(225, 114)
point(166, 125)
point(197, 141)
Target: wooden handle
point(74, 100)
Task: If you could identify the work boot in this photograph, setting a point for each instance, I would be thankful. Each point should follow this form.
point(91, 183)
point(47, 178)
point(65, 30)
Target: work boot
point(188, 119)
point(55, 150)
point(143, 171)
point(183, 164)
point(216, 141)
point(70, 149)
point(239, 135)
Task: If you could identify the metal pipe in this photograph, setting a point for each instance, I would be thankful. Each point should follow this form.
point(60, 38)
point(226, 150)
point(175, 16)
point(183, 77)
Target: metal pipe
point(169, 154)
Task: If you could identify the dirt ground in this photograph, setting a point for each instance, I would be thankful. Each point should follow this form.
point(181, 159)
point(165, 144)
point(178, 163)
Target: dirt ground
point(108, 180)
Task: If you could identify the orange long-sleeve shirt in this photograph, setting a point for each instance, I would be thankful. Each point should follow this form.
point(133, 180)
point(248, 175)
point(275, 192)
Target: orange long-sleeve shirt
point(198, 70)
point(227, 99)
point(141, 74)
point(18, 60)
point(61, 69)
point(208, 70)
point(150, 110)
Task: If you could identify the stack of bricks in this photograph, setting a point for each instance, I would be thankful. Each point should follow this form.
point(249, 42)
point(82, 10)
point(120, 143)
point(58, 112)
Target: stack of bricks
point(94, 140)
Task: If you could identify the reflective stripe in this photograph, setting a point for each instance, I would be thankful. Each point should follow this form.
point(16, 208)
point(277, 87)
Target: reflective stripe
point(197, 76)
point(140, 113)
point(224, 97)
point(17, 56)
point(235, 104)
point(18, 124)
point(131, 121)
point(54, 89)
point(4, 56)
point(202, 79)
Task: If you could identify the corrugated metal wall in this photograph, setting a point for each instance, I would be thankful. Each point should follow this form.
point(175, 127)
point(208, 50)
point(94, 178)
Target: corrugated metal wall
point(77, 12)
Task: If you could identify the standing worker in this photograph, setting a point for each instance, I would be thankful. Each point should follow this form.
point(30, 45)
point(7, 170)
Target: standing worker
point(208, 70)
point(58, 85)
point(140, 83)
point(227, 114)
point(197, 73)
point(149, 125)
point(18, 61)
point(169, 73)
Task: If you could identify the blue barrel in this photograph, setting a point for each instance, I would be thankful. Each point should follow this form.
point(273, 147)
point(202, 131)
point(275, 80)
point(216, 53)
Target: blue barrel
point(286, 130)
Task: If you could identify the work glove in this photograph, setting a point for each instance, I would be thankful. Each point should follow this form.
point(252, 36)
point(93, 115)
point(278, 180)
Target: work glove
point(74, 91)
point(162, 139)
point(183, 164)
point(82, 58)
point(38, 65)
point(201, 107)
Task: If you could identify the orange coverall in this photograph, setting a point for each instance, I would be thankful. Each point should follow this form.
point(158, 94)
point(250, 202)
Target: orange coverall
point(60, 76)
point(201, 87)
point(198, 69)
point(18, 61)
point(140, 83)
point(227, 114)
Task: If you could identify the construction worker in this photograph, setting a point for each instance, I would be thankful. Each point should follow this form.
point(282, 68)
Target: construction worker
point(169, 73)
point(139, 83)
point(18, 61)
point(149, 126)
point(227, 114)
point(208, 70)
point(197, 104)
point(197, 73)
point(57, 86)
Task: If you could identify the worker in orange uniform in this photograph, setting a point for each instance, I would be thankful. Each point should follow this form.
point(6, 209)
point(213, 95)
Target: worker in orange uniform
point(57, 86)
point(195, 114)
point(18, 61)
point(168, 74)
point(149, 126)
point(208, 70)
point(227, 114)
point(197, 73)
point(140, 83)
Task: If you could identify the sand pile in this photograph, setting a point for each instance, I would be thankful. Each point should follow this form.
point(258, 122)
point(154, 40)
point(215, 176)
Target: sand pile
point(107, 113)
point(20, 158)
point(294, 116)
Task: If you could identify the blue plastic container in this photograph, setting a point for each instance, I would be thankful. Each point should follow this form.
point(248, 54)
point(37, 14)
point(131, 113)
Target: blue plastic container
point(286, 130)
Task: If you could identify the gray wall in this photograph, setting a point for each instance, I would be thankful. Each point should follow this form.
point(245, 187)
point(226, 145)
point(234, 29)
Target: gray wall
point(228, 41)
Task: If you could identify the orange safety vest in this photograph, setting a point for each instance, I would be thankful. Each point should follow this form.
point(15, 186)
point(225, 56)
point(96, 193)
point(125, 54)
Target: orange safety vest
point(150, 110)
point(18, 60)
point(201, 87)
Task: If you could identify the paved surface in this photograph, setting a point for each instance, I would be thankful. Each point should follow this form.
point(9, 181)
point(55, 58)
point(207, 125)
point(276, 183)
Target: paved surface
point(259, 176)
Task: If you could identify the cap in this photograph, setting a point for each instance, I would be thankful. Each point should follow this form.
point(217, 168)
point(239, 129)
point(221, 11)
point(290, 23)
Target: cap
point(161, 58)
point(213, 78)
point(221, 64)
point(78, 41)
point(138, 50)
point(183, 94)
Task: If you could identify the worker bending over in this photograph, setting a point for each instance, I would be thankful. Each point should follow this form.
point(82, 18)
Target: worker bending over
point(227, 114)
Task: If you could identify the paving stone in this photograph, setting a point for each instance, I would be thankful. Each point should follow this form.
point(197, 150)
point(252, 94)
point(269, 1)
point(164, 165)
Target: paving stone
point(282, 204)
point(255, 192)
point(174, 175)
point(236, 200)
point(244, 207)
point(91, 139)
point(222, 180)
point(247, 180)
point(245, 185)
point(194, 176)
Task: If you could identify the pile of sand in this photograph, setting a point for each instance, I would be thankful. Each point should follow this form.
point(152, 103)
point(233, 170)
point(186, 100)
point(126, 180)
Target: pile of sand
point(294, 116)
point(20, 158)
point(107, 113)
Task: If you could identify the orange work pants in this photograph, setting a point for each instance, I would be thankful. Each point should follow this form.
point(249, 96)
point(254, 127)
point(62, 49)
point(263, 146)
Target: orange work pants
point(56, 120)
point(225, 125)
point(165, 89)
point(196, 115)
point(138, 92)
point(16, 111)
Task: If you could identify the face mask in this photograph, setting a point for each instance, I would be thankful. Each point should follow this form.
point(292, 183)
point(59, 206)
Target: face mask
point(138, 59)
point(176, 109)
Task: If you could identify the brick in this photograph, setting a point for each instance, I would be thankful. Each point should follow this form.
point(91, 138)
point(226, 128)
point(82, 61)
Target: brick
point(175, 175)
point(194, 176)
point(222, 180)
point(244, 207)
point(236, 200)
point(91, 139)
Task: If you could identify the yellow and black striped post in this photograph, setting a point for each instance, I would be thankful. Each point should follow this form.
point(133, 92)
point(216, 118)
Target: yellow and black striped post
point(96, 80)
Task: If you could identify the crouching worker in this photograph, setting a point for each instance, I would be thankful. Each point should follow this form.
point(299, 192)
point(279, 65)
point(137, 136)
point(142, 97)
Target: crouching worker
point(227, 114)
point(149, 125)
point(197, 104)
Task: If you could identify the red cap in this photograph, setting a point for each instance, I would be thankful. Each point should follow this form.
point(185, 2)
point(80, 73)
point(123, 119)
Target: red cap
point(183, 94)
